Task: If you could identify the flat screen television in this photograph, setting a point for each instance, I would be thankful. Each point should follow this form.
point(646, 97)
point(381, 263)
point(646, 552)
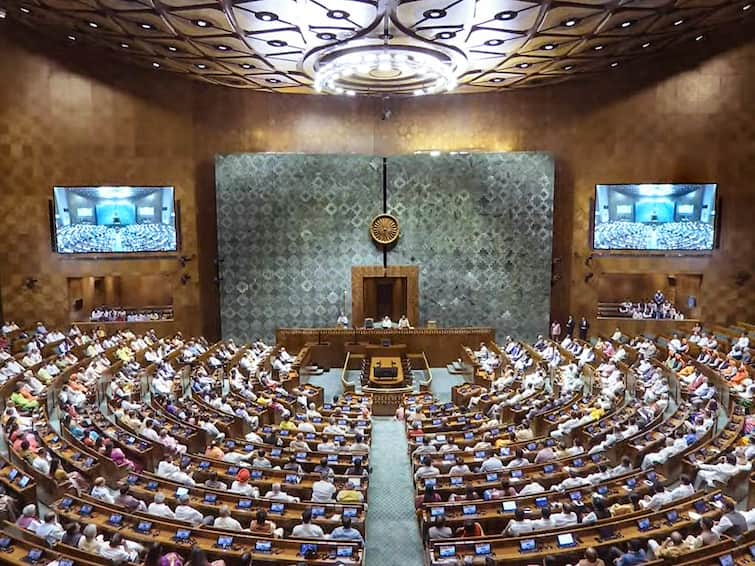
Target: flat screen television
point(114, 220)
point(655, 217)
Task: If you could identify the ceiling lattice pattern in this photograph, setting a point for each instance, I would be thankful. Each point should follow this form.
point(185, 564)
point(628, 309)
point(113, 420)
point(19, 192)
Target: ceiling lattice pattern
point(275, 45)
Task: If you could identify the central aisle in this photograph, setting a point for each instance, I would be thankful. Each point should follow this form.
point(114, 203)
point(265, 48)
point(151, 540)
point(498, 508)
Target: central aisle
point(392, 534)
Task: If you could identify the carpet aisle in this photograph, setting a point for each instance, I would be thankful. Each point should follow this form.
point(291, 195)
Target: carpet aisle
point(392, 534)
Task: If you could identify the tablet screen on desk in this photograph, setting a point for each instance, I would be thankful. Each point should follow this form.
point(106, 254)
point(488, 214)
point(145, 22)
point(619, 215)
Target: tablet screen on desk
point(292, 478)
point(34, 555)
point(470, 509)
point(527, 545)
point(308, 549)
point(5, 543)
point(700, 506)
point(602, 490)
point(245, 504)
point(66, 503)
point(480, 455)
point(12, 474)
point(509, 506)
point(85, 510)
point(344, 551)
point(457, 480)
point(144, 527)
point(468, 435)
point(548, 469)
point(275, 452)
point(430, 482)
point(727, 560)
point(447, 551)
point(318, 512)
point(24, 481)
point(643, 524)
point(482, 549)
point(115, 520)
point(437, 511)
point(225, 542)
point(672, 516)
point(566, 540)
point(182, 535)
point(349, 512)
point(576, 496)
point(210, 498)
point(491, 477)
point(516, 473)
point(541, 502)
point(263, 546)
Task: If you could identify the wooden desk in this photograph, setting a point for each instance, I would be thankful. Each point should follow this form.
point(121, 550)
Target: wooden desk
point(386, 362)
point(441, 345)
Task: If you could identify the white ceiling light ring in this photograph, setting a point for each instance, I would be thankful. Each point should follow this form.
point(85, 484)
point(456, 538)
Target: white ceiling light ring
point(385, 69)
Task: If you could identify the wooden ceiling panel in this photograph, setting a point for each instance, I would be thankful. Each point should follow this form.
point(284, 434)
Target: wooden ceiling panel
point(274, 45)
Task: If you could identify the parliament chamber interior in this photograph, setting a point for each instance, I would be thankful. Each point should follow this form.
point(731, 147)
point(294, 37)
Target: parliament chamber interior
point(377, 282)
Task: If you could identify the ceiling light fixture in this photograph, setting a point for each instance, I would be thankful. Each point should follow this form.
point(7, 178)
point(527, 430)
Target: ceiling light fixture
point(124, 45)
point(172, 48)
point(202, 23)
point(505, 15)
point(496, 80)
point(246, 66)
point(598, 47)
point(678, 22)
point(93, 25)
point(2, 14)
point(549, 46)
point(223, 47)
point(25, 10)
point(570, 23)
point(156, 65)
point(201, 66)
point(746, 7)
point(434, 14)
point(626, 24)
point(699, 38)
point(145, 26)
point(72, 37)
point(614, 64)
point(266, 16)
point(646, 45)
point(523, 65)
point(493, 42)
point(568, 67)
point(386, 69)
point(445, 35)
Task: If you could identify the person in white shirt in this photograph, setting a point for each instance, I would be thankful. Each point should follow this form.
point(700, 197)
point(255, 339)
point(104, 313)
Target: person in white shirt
point(276, 494)
point(721, 472)
point(386, 322)
point(117, 552)
point(565, 517)
point(459, 468)
point(101, 491)
point(306, 529)
point(323, 490)
point(169, 470)
point(51, 531)
point(440, 529)
point(518, 525)
point(491, 464)
point(225, 521)
point(658, 499)
point(684, 489)
point(403, 322)
point(545, 521)
point(159, 508)
point(427, 470)
point(185, 512)
point(531, 488)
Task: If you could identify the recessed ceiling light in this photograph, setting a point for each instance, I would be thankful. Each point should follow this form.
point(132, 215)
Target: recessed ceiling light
point(326, 36)
point(25, 10)
point(124, 45)
point(223, 47)
point(523, 65)
point(678, 22)
point(72, 37)
point(549, 46)
point(434, 14)
point(201, 66)
point(266, 16)
point(746, 7)
point(626, 24)
point(2, 14)
point(274, 81)
point(145, 26)
point(445, 35)
point(506, 15)
point(699, 38)
point(246, 66)
point(156, 65)
point(615, 64)
point(646, 45)
point(570, 23)
point(598, 47)
point(277, 43)
point(202, 23)
point(496, 80)
point(338, 14)
point(493, 42)
point(93, 25)
point(568, 67)
point(172, 48)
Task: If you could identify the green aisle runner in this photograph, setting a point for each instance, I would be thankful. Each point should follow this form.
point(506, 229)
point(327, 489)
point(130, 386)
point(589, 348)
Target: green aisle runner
point(392, 535)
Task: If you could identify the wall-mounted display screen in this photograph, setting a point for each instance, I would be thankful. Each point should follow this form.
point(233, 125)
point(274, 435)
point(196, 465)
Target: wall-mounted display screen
point(655, 217)
point(114, 220)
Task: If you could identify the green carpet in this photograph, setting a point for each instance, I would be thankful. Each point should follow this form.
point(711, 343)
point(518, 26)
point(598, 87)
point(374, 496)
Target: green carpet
point(392, 534)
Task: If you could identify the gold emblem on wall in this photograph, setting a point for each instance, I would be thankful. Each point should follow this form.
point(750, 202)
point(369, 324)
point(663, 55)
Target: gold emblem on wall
point(384, 229)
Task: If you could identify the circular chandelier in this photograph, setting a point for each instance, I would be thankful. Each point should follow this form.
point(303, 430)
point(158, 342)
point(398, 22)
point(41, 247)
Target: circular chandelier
point(386, 69)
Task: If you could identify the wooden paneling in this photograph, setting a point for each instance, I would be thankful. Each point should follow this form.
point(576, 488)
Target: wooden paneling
point(67, 117)
point(409, 273)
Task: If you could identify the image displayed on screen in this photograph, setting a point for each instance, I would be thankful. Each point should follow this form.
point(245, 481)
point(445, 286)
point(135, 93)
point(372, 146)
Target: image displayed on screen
point(114, 220)
point(655, 217)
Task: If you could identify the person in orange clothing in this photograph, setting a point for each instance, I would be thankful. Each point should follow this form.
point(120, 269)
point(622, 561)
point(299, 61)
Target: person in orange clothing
point(470, 529)
point(214, 451)
point(741, 375)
